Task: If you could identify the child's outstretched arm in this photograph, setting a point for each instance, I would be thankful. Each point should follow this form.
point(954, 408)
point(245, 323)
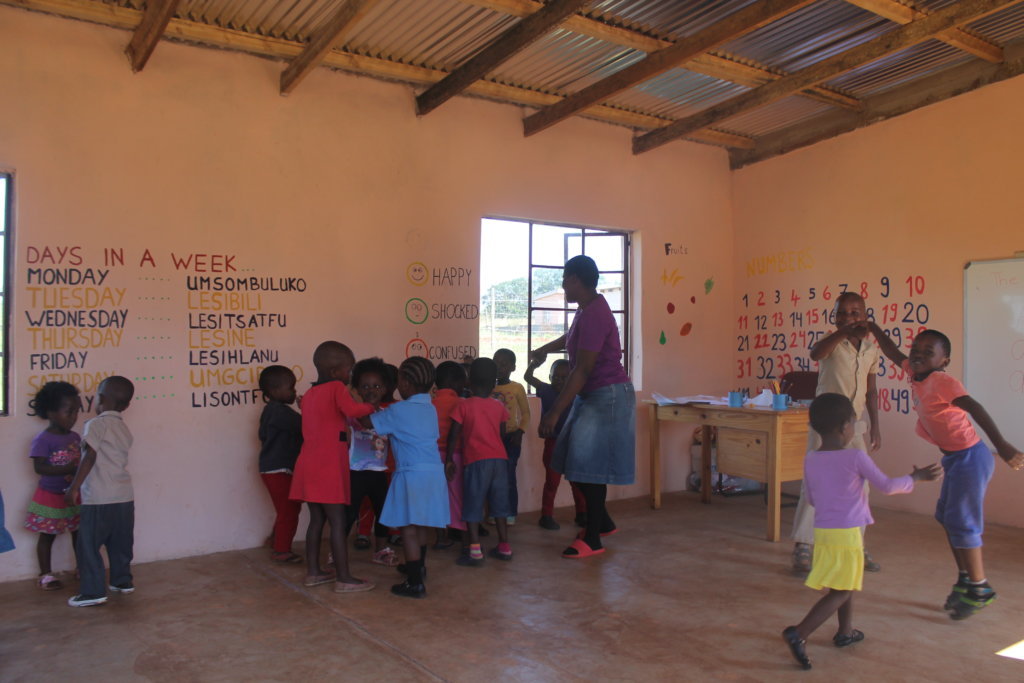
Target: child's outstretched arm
point(827, 344)
point(888, 346)
point(454, 435)
point(1013, 457)
point(531, 379)
point(84, 467)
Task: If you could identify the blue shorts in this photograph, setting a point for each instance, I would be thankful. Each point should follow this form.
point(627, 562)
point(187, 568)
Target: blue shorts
point(961, 506)
point(597, 444)
point(485, 480)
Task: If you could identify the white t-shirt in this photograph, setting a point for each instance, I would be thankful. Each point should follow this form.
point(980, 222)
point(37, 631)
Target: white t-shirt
point(108, 480)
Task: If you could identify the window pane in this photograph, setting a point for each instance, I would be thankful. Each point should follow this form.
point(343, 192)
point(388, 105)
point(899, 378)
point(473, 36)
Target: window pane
point(553, 245)
point(547, 288)
point(608, 251)
point(610, 285)
point(547, 326)
point(620, 321)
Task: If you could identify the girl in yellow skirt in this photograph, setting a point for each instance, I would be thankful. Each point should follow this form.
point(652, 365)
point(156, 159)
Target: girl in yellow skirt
point(834, 478)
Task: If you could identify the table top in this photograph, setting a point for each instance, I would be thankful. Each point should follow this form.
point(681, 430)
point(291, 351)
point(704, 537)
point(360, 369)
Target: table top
point(795, 408)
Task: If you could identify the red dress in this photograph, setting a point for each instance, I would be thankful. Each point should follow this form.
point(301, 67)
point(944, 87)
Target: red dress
point(321, 472)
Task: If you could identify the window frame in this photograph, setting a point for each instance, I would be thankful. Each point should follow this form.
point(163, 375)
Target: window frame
point(568, 313)
point(7, 214)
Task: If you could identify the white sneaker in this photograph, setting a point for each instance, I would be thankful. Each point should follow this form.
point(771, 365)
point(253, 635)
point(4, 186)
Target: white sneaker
point(511, 521)
point(122, 589)
point(80, 601)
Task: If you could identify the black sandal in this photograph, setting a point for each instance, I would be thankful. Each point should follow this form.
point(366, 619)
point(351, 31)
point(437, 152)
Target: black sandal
point(796, 647)
point(841, 640)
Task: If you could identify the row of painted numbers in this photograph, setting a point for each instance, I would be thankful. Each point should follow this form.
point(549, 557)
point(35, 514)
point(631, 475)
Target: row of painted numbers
point(915, 286)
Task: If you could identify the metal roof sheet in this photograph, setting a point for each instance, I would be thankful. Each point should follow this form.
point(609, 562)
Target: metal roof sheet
point(899, 68)
point(781, 114)
point(676, 93)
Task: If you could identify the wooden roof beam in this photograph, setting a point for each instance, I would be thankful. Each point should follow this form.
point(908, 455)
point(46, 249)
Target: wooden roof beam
point(957, 37)
point(750, 18)
point(889, 43)
point(323, 41)
point(154, 22)
point(514, 40)
point(745, 73)
point(934, 88)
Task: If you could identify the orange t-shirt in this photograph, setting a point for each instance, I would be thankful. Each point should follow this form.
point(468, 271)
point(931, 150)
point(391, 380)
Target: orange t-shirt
point(939, 421)
point(444, 402)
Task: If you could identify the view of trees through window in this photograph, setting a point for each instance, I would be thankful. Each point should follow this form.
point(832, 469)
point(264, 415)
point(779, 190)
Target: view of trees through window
point(522, 305)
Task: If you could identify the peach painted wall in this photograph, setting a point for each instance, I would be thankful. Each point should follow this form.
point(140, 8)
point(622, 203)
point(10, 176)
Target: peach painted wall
point(338, 184)
point(917, 196)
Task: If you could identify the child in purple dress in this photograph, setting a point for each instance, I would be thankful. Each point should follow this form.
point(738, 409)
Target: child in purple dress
point(55, 454)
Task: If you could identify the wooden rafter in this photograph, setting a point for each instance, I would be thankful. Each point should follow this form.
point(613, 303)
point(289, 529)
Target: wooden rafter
point(493, 55)
point(919, 93)
point(154, 22)
point(750, 18)
point(323, 41)
point(746, 73)
point(894, 41)
point(277, 48)
point(957, 37)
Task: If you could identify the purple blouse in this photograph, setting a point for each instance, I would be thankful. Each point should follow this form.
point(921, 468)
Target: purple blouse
point(594, 329)
point(835, 487)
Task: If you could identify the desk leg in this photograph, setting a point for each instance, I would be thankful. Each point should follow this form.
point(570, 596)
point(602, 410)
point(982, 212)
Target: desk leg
point(705, 464)
point(774, 485)
point(655, 443)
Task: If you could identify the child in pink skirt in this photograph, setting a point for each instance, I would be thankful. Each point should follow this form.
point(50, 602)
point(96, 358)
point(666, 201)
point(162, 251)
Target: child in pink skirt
point(55, 454)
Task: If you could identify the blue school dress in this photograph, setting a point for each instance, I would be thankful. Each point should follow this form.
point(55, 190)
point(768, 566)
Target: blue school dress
point(419, 490)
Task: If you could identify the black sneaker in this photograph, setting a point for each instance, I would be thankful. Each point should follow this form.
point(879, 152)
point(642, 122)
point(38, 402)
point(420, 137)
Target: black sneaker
point(86, 600)
point(548, 522)
point(125, 588)
point(797, 647)
point(464, 560)
point(959, 588)
point(408, 590)
point(403, 568)
point(973, 600)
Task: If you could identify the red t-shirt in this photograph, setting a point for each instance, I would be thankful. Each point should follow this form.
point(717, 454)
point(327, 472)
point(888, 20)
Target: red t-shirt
point(444, 402)
point(481, 420)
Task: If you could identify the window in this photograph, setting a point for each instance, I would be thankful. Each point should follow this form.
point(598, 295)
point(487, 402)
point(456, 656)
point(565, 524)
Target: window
point(522, 305)
point(5, 223)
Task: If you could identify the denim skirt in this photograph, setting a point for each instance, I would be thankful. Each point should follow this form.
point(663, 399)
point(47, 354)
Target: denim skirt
point(597, 444)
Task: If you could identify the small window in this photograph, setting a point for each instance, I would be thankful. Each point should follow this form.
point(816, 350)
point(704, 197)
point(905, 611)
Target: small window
point(5, 233)
point(522, 305)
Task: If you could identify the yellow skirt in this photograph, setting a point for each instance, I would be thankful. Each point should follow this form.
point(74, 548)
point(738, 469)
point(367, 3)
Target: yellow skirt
point(838, 560)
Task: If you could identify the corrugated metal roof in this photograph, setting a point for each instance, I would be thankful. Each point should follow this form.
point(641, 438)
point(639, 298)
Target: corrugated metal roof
point(782, 114)
point(810, 35)
point(899, 68)
point(443, 34)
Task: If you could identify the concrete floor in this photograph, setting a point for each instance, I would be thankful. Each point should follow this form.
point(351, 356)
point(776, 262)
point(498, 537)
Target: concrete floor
point(687, 593)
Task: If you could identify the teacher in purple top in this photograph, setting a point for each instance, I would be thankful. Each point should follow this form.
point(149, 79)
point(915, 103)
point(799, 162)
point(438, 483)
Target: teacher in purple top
point(597, 445)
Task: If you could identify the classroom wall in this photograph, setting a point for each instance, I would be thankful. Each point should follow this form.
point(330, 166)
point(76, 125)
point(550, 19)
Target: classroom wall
point(897, 209)
point(196, 168)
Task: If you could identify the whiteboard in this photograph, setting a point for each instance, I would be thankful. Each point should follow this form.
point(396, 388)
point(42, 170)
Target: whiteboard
point(994, 342)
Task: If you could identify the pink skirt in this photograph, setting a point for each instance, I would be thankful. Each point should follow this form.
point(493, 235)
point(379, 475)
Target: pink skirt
point(49, 514)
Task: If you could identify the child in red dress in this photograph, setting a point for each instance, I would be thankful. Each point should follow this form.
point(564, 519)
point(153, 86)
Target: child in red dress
point(321, 476)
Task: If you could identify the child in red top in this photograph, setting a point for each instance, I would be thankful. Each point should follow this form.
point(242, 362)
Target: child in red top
point(450, 381)
point(478, 424)
point(321, 476)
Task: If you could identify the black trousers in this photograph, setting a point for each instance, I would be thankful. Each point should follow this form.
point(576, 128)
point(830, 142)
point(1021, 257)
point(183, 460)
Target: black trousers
point(112, 526)
point(367, 484)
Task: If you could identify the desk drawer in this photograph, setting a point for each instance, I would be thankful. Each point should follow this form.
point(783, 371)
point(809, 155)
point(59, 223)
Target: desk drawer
point(743, 453)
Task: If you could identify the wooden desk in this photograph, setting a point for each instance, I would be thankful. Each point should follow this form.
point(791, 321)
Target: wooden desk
point(756, 443)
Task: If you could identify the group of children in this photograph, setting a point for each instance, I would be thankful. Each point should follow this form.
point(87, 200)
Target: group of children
point(84, 488)
point(833, 511)
point(436, 459)
point(448, 450)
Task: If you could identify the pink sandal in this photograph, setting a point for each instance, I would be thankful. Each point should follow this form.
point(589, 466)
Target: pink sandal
point(386, 557)
point(582, 550)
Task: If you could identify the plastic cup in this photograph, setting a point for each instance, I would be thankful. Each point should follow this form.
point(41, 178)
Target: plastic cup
point(780, 401)
point(736, 399)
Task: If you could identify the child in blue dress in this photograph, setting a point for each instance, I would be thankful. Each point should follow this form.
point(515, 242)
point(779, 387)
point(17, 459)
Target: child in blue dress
point(418, 497)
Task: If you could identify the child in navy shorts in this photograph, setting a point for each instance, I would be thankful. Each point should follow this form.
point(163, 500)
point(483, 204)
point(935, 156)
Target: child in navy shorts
point(478, 424)
point(944, 411)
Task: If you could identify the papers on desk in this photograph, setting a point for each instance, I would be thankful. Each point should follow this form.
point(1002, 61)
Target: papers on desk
point(679, 400)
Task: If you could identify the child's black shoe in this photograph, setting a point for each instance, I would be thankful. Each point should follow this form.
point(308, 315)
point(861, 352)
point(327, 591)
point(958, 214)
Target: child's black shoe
point(403, 568)
point(959, 588)
point(408, 590)
point(840, 640)
point(548, 522)
point(796, 647)
point(465, 560)
point(975, 599)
